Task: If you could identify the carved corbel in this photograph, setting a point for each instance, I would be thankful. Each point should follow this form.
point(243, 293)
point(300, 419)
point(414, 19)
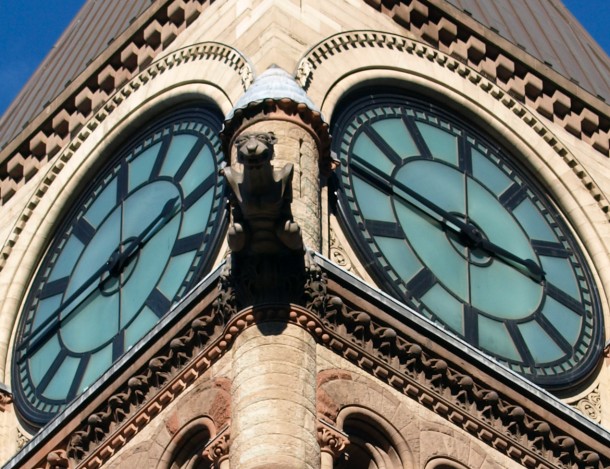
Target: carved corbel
point(331, 440)
point(217, 450)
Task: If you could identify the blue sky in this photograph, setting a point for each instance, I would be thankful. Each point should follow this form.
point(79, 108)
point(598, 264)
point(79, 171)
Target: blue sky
point(29, 28)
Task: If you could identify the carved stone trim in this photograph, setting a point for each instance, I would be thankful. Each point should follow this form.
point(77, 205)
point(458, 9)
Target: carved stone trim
point(463, 399)
point(391, 355)
point(331, 439)
point(22, 439)
point(510, 93)
point(590, 405)
point(217, 450)
point(197, 52)
point(6, 399)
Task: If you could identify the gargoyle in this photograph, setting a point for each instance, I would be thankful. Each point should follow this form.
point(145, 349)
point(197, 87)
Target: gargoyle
point(260, 200)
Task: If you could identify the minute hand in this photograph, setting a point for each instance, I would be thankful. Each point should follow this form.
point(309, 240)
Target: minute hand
point(467, 231)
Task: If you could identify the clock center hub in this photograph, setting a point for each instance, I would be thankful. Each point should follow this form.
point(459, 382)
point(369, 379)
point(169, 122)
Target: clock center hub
point(122, 263)
point(468, 244)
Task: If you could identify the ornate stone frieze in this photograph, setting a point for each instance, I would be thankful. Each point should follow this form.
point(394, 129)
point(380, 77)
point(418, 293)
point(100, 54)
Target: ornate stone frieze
point(354, 330)
point(466, 401)
point(510, 91)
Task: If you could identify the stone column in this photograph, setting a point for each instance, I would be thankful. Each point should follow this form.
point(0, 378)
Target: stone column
point(273, 393)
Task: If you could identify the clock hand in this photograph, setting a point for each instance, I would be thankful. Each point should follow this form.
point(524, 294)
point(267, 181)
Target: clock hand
point(120, 258)
point(114, 266)
point(468, 232)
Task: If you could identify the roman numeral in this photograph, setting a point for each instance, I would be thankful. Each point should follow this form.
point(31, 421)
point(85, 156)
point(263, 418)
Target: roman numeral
point(55, 287)
point(48, 376)
point(122, 183)
point(385, 228)
point(158, 303)
point(83, 231)
point(550, 249)
point(80, 372)
point(199, 191)
point(419, 140)
point(471, 325)
point(187, 244)
point(118, 345)
point(513, 196)
point(161, 156)
point(520, 344)
point(188, 161)
point(378, 140)
point(560, 340)
point(465, 157)
point(423, 281)
point(565, 299)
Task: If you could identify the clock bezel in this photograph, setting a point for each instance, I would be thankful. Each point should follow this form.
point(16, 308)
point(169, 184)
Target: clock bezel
point(352, 105)
point(206, 114)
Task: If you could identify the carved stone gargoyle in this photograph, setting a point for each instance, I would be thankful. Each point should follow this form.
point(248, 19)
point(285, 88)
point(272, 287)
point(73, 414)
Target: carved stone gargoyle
point(260, 200)
point(268, 258)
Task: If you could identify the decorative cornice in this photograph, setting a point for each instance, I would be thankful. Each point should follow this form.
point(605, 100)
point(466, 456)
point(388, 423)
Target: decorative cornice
point(467, 401)
point(354, 328)
point(515, 93)
point(198, 52)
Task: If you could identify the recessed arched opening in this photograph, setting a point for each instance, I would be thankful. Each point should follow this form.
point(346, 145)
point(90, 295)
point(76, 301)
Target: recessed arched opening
point(373, 442)
point(186, 450)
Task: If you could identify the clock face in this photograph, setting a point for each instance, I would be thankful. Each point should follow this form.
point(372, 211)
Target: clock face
point(450, 224)
point(139, 238)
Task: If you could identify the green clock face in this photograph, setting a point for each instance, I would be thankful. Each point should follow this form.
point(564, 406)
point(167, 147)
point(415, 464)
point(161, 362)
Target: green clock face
point(451, 225)
point(138, 239)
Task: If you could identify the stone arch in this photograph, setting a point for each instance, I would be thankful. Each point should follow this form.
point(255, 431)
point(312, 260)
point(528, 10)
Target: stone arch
point(444, 463)
point(368, 414)
point(186, 448)
point(374, 443)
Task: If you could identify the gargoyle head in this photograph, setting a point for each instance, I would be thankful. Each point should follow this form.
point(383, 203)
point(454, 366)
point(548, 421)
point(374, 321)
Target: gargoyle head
point(255, 149)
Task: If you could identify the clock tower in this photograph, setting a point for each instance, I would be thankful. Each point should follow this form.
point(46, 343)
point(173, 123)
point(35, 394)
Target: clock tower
point(353, 233)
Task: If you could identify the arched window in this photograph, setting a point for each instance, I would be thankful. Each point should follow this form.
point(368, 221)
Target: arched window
point(373, 442)
point(186, 450)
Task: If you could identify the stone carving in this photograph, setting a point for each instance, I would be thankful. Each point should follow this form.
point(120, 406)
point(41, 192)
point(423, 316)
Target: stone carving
point(591, 405)
point(331, 439)
point(22, 439)
point(58, 460)
point(6, 399)
point(260, 199)
point(153, 388)
point(268, 262)
point(217, 450)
